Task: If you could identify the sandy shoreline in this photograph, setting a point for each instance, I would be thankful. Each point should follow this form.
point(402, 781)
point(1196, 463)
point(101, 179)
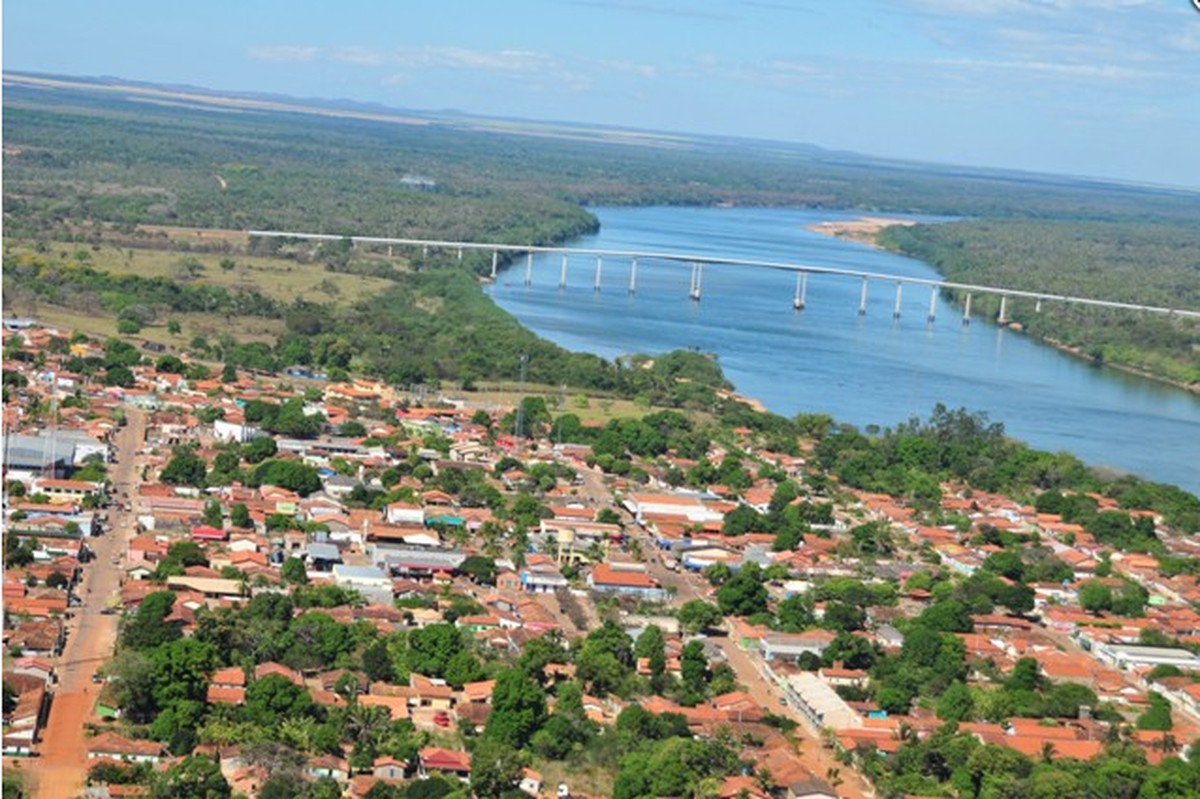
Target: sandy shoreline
point(863, 230)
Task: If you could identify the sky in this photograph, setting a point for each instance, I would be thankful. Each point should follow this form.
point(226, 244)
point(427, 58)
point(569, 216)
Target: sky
point(1106, 88)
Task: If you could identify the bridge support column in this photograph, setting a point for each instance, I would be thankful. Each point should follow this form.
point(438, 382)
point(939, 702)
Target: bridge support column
point(696, 277)
point(389, 251)
point(495, 262)
point(801, 290)
point(529, 269)
point(862, 299)
point(562, 273)
point(633, 275)
point(425, 251)
point(1002, 319)
point(933, 292)
point(599, 269)
point(1038, 308)
point(967, 311)
point(460, 253)
point(896, 308)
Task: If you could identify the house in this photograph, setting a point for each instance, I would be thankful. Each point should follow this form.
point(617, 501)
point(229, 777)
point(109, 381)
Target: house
point(330, 766)
point(812, 787)
point(447, 761)
point(388, 768)
point(819, 703)
point(404, 513)
point(608, 580)
point(790, 646)
point(266, 669)
point(117, 747)
point(227, 686)
point(531, 782)
point(742, 785)
point(369, 581)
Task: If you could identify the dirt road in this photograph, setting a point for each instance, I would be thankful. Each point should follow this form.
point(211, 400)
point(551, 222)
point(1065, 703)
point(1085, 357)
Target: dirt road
point(60, 771)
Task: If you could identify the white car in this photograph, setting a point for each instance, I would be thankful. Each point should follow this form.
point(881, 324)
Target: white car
point(563, 791)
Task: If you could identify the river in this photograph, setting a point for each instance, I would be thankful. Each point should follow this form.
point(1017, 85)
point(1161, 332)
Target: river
point(862, 370)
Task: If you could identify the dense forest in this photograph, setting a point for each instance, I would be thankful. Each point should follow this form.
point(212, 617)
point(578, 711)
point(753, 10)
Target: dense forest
point(1152, 263)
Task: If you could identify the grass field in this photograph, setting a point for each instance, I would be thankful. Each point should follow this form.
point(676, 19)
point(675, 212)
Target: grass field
point(244, 328)
point(583, 779)
point(597, 409)
point(278, 278)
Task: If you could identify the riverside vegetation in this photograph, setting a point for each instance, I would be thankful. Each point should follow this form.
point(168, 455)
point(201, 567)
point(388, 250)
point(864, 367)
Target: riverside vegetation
point(1153, 262)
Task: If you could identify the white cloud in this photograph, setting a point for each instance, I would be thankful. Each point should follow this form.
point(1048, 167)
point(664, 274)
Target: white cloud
point(361, 56)
point(284, 53)
point(1101, 71)
point(648, 71)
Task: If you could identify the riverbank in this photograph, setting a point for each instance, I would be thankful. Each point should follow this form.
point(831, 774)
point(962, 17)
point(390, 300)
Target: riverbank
point(1081, 354)
point(867, 229)
point(864, 229)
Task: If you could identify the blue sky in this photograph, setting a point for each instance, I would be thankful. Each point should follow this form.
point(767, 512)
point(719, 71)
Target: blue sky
point(1093, 87)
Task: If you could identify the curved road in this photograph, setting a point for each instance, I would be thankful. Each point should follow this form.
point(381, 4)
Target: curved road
point(61, 770)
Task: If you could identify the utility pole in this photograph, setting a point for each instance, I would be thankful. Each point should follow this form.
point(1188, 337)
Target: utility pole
point(519, 420)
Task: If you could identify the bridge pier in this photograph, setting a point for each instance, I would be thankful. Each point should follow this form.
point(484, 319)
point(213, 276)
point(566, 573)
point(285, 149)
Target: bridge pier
point(562, 273)
point(801, 290)
point(460, 253)
point(1002, 319)
point(932, 315)
point(529, 269)
point(633, 275)
point(896, 308)
point(694, 292)
point(495, 262)
point(425, 251)
point(599, 268)
point(389, 251)
point(967, 311)
point(1038, 308)
point(862, 299)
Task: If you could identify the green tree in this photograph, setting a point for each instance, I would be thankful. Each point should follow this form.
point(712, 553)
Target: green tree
point(1095, 597)
point(185, 468)
point(294, 572)
point(274, 698)
point(696, 615)
point(743, 594)
point(212, 514)
point(259, 449)
point(955, 704)
point(239, 516)
point(192, 778)
point(430, 649)
point(479, 568)
point(148, 627)
point(518, 710)
point(795, 614)
point(292, 475)
point(1157, 716)
point(495, 768)
point(694, 669)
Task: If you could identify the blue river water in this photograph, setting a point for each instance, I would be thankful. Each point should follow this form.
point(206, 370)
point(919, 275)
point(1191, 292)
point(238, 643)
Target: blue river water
point(863, 370)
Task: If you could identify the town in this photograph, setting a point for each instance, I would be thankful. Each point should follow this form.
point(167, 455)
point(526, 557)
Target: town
point(223, 583)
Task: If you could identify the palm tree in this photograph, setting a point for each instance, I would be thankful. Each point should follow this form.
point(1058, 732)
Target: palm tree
point(366, 724)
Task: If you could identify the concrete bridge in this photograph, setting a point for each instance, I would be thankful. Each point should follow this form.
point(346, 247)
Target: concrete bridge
point(698, 262)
